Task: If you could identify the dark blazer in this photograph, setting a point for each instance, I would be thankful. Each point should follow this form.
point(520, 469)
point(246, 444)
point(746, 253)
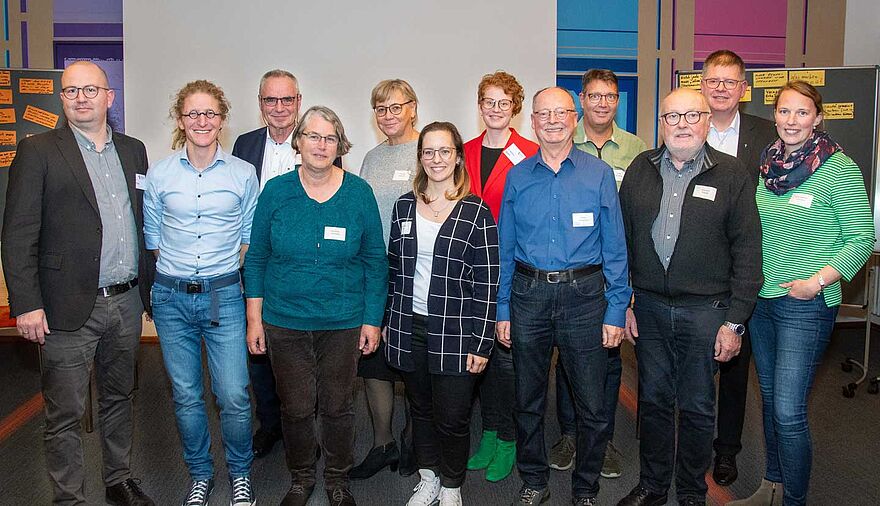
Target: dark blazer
point(462, 290)
point(251, 146)
point(755, 134)
point(51, 243)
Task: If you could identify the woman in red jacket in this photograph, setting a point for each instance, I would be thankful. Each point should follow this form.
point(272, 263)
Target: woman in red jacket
point(488, 158)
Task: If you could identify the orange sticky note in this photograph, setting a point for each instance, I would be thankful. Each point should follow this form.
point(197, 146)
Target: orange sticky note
point(7, 116)
point(6, 158)
point(5, 97)
point(4, 78)
point(40, 117)
point(7, 137)
point(39, 86)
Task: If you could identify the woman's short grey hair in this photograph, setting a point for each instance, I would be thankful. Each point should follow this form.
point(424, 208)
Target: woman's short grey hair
point(327, 114)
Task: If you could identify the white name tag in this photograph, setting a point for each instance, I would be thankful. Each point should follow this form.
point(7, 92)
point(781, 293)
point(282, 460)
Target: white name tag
point(405, 228)
point(514, 154)
point(582, 219)
point(400, 175)
point(618, 174)
point(801, 199)
point(334, 233)
point(705, 192)
point(140, 182)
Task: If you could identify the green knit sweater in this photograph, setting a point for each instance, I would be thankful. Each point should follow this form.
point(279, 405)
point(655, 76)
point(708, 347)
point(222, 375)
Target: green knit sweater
point(824, 221)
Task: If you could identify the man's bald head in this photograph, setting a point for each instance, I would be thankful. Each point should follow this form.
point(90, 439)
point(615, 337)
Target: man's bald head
point(683, 94)
point(88, 66)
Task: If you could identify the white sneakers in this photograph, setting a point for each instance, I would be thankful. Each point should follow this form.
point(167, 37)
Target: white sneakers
point(450, 496)
point(427, 491)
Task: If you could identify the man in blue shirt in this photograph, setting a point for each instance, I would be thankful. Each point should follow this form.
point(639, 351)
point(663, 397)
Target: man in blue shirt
point(564, 284)
point(198, 209)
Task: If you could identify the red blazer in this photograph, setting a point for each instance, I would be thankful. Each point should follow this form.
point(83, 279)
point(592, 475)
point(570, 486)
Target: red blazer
point(494, 189)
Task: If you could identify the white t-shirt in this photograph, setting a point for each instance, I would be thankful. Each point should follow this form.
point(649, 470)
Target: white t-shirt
point(426, 236)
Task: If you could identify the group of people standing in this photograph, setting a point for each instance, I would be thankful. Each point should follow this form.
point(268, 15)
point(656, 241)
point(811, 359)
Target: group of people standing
point(455, 267)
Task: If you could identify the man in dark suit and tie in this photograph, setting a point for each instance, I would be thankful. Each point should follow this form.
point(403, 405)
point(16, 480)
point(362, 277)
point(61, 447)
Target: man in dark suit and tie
point(745, 137)
point(73, 250)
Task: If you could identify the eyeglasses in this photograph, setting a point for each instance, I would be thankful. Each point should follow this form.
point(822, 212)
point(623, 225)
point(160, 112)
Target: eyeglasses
point(560, 113)
point(595, 98)
point(88, 91)
point(314, 138)
point(490, 103)
point(729, 84)
point(194, 115)
point(272, 101)
point(691, 117)
point(394, 109)
point(445, 153)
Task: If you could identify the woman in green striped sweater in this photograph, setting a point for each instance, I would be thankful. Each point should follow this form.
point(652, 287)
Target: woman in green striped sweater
point(817, 229)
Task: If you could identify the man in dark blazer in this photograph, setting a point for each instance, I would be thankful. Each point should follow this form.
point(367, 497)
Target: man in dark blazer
point(73, 250)
point(745, 137)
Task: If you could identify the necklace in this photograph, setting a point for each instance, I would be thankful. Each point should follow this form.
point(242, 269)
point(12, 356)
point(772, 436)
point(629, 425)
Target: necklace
point(436, 211)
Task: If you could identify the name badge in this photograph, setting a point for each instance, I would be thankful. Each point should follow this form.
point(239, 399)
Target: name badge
point(140, 182)
point(334, 233)
point(514, 154)
point(405, 228)
point(582, 219)
point(400, 175)
point(801, 199)
point(705, 192)
point(618, 174)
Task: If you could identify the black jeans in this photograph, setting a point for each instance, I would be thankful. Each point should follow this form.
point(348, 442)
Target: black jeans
point(440, 406)
point(565, 408)
point(265, 397)
point(568, 316)
point(733, 382)
point(316, 368)
point(498, 394)
point(676, 357)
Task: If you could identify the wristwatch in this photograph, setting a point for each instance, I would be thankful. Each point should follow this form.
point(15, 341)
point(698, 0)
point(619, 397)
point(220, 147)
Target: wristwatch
point(737, 328)
point(821, 282)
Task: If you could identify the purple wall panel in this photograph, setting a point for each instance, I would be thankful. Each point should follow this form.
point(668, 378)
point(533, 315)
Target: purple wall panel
point(754, 29)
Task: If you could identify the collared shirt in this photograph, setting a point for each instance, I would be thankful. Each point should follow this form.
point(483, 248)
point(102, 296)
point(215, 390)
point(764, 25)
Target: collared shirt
point(618, 151)
point(726, 141)
point(564, 220)
point(667, 224)
point(119, 243)
point(278, 158)
point(198, 220)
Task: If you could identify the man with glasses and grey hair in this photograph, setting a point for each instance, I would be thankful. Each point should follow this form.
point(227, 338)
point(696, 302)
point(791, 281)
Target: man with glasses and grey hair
point(694, 242)
point(563, 284)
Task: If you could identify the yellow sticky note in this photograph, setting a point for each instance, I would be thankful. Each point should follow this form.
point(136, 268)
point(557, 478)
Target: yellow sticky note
point(691, 81)
point(40, 117)
point(839, 110)
point(770, 79)
point(7, 137)
point(5, 77)
point(747, 96)
point(39, 86)
point(770, 95)
point(814, 77)
point(6, 158)
point(7, 116)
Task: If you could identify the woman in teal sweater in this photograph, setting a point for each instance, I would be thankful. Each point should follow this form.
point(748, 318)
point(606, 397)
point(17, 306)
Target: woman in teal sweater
point(817, 229)
point(316, 281)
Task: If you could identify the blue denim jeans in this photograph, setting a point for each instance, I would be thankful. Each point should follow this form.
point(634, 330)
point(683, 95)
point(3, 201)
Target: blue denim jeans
point(182, 321)
point(789, 337)
point(568, 316)
point(676, 357)
point(565, 407)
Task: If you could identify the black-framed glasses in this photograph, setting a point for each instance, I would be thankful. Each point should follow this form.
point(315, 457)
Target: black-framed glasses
point(314, 138)
point(595, 98)
point(272, 101)
point(729, 84)
point(194, 115)
point(395, 109)
point(88, 91)
point(691, 117)
point(445, 153)
point(560, 113)
point(490, 103)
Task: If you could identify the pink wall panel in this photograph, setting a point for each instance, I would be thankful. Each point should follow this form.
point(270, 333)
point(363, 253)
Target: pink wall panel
point(755, 29)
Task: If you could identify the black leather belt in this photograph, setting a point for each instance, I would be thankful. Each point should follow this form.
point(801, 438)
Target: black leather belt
point(110, 291)
point(211, 285)
point(565, 276)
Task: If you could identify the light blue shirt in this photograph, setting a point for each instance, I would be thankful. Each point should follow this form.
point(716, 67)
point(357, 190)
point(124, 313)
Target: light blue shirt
point(199, 220)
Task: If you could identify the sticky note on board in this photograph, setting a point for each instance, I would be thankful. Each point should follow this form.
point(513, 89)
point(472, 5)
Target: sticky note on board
point(814, 77)
point(6, 158)
point(5, 78)
point(5, 97)
point(691, 81)
point(7, 116)
point(770, 79)
point(747, 96)
point(7, 137)
point(770, 95)
point(37, 86)
point(839, 110)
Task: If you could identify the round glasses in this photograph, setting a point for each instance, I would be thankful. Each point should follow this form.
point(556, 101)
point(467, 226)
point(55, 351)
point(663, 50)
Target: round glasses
point(691, 117)
point(595, 98)
point(445, 153)
point(210, 114)
point(395, 109)
point(88, 91)
point(490, 103)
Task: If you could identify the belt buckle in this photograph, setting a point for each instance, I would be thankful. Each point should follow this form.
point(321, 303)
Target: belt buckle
point(554, 277)
point(193, 288)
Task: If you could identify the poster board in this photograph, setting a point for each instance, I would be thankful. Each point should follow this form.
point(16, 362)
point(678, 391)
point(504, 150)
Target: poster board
point(29, 104)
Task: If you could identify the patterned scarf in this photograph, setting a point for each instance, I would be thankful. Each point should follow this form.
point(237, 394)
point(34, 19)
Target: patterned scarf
point(782, 174)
